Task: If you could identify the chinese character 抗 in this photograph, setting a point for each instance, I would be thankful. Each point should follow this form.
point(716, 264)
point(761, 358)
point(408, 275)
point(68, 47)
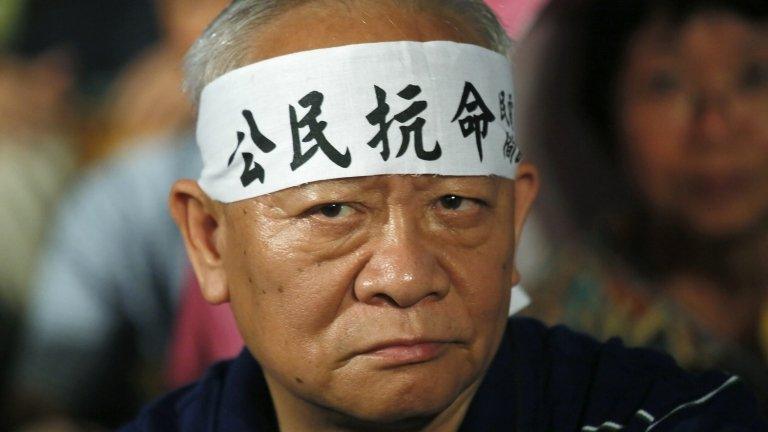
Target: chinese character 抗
point(313, 101)
point(378, 117)
point(255, 172)
point(478, 116)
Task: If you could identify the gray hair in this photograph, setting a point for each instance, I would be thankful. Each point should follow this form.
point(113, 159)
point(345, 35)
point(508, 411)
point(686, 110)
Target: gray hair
point(224, 46)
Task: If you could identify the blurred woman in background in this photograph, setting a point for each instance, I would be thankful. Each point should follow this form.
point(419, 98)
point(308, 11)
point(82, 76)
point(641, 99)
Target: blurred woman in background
point(101, 292)
point(652, 116)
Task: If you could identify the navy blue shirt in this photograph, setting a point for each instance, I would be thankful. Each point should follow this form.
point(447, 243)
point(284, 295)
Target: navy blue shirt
point(541, 380)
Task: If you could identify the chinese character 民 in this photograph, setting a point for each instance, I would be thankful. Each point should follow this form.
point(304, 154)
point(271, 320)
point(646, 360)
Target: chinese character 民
point(477, 118)
point(313, 101)
point(255, 172)
point(378, 117)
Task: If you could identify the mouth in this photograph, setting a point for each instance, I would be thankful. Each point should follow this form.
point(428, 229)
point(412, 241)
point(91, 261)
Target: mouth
point(719, 187)
point(406, 351)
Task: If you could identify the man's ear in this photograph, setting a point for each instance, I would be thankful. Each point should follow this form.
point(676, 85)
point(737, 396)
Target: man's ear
point(526, 189)
point(200, 221)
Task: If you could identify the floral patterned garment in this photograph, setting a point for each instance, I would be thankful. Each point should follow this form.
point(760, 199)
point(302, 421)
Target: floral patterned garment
point(603, 298)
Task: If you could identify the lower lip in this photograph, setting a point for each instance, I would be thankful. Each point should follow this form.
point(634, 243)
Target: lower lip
point(409, 354)
point(719, 188)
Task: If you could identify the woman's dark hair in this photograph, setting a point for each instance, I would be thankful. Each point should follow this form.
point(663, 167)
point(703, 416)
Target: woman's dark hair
point(569, 122)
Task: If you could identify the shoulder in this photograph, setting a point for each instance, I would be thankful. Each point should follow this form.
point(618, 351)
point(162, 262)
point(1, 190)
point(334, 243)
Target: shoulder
point(120, 200)
point(146, 167)
point(185, 409)
point(609, 385)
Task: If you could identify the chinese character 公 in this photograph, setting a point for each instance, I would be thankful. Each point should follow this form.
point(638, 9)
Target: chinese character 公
point(255, 172)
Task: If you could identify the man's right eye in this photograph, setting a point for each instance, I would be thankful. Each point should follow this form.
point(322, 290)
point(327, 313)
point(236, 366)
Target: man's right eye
point(663, 83)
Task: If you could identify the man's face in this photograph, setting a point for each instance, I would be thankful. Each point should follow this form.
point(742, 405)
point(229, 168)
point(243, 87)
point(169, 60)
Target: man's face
point(379, 297)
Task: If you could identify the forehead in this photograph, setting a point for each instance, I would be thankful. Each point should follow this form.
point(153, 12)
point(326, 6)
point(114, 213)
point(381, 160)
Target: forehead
point(325, 24)
point(703, 33)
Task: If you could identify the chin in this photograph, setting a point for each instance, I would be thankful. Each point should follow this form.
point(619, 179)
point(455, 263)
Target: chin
point(401, 414)
point(404, 402)
point(722, 227)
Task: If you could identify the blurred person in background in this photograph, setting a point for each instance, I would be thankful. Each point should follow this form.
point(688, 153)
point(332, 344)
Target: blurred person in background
point(126, 58)
point(652, 117)
point(49, 64)
point(101, 36)
point(37, 160)
point(105, 291)
point(145, 99)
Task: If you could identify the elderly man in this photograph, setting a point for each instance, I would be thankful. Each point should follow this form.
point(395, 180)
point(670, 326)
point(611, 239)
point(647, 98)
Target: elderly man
point(360, 202)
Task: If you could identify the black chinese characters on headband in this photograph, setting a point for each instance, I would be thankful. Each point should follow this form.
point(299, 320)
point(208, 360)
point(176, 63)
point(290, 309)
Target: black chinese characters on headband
point(472, 114)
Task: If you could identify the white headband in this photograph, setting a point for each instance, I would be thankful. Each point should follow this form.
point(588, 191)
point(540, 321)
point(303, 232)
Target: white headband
point(359, 110)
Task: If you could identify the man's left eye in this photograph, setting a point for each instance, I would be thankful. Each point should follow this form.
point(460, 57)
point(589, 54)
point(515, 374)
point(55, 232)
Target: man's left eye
point(458, 203)
point(333, 211)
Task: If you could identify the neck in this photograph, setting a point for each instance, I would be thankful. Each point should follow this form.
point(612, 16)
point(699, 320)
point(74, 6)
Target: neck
point(661, 251)
point(736, 265)
point(709, 277)
point(299, 415)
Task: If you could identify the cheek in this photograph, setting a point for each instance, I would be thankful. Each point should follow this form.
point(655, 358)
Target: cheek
point(482, 277)
point(752, 135)
point(283, 298)
point(654, 141)
point(751, 127)
point(484, 294)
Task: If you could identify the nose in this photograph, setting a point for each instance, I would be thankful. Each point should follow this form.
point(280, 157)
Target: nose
point(711, 122)
point(403, 269)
